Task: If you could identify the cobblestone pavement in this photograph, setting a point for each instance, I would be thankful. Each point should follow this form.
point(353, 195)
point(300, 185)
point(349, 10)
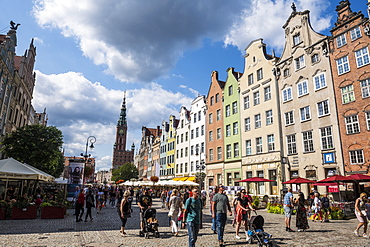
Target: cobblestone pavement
point(104, 231)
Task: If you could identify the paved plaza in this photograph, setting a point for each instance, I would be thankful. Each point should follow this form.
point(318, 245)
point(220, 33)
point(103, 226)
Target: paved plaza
point(104, 231)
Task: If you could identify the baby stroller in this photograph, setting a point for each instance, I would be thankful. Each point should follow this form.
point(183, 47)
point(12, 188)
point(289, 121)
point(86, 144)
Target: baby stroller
point(150, 223)
point(256, 232)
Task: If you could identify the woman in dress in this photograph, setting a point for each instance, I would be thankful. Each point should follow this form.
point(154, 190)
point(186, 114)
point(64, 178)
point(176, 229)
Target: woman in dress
point(125, 211)
point(234, 203)
point(175, 205)
point(301, 220)
point(360, 211)
point(89, 204)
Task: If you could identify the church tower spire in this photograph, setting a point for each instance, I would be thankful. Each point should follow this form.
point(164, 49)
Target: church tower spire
point(122, 156)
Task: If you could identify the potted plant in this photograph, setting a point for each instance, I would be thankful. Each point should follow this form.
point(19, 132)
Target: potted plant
point(23, 209)
point(52, 210)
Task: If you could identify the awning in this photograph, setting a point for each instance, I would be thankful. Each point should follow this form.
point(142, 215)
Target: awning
point(177, 179)
point(183, 179)
point(11, 168)
point(191, 179)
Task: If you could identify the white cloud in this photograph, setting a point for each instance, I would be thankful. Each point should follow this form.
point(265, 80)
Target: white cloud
point(137, 40)
point(265, 18)
point(80, 108)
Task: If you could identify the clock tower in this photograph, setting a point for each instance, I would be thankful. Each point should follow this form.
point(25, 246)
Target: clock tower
point(122, 156)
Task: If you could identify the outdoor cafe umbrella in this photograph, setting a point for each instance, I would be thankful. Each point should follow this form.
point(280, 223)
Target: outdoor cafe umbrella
point(360, 177)
point(337, 179)
point(256, 180)
point(299, 180)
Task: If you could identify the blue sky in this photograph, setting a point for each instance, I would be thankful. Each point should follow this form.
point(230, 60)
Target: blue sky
point(162, 52)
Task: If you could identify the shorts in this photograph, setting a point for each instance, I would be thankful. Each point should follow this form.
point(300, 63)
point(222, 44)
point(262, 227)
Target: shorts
point(245, 217)
point(325, 210)
point(288, 211)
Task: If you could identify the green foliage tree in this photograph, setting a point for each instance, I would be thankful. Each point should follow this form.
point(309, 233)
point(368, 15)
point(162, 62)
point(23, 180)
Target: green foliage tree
point(38, 146)
point(125, 172)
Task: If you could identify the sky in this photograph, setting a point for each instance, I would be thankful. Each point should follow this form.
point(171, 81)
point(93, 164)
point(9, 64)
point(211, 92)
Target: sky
point(161, 52)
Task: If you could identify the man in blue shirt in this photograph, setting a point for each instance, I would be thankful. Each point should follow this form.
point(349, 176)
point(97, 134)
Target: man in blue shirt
point(192, 214)
point(288, 207)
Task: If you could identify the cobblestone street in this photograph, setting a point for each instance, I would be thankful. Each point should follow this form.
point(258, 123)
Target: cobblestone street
point(104, 231)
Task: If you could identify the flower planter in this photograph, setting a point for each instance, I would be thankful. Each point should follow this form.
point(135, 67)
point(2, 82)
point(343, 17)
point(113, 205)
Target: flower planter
point(2, 213)
point(24, 213)
point(53, 212)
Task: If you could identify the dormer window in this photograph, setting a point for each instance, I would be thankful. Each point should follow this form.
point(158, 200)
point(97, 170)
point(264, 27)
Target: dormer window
point(296, 39)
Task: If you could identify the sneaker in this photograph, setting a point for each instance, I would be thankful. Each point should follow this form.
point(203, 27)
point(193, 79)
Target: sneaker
point(290, 230)
point(356, 233)
point(300, 230)
point(237, 237)
point(365, 235)
point(247, 238)
point(286, 228)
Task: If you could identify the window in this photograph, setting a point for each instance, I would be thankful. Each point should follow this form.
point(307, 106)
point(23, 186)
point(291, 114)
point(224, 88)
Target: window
point(355, 33)
point(326, 138)
point(270, 143)
point(289, 118)
point(248, 147)
point(210, 154)
point(236, 150)
point(202, 130)
point(348, 95)
point(357, 157)
point(202, 147)
point(269, 119)
point(250, 79)
point(197, 132)
point(192, 150)
point(302, 88)
point(267, 93)
point(352, 124)
point(192, 134)
point(305, 113)
point(299, 62)
point(186, 152)
point(323, 108)
point(195, 117)
point(296, 39)
point(320, 81)
point(217, 97)
point(286, 72)
point(219, 153)
point(218, 133)
point(230, 90)
point(362, 57)
point(367, 120)
point(341, 40)
point(246, 102)
point(314, 58)
point(186, 136)
point(228, 130)
point(218, 115)
point(259, 145)
point(235, 128)
point(228, 151)
point(247, 124)
point(235, 107)
point(212, 101)
point(307, 141)
point(365, 88)
point(257, 121)
point(287, 94)
point(227, 111)
point(210, 136)
point(259, 74)
point(342, 65)
point(292, 145)
point(256, 98)
point(199, 116)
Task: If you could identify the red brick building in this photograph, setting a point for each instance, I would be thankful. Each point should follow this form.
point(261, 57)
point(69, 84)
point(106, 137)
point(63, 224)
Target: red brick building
point(349, 57)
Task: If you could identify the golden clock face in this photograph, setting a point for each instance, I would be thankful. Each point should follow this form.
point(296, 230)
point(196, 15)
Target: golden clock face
point(120, 131)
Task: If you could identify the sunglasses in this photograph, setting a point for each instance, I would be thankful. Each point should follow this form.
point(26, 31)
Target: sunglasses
point(243, 192)
point(196, 191)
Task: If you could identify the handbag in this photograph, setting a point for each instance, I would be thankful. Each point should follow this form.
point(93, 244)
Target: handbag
point(127, 214)
point(170, 213)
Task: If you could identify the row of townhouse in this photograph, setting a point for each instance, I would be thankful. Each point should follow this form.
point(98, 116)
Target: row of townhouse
point(306, 113)
point(17, 82)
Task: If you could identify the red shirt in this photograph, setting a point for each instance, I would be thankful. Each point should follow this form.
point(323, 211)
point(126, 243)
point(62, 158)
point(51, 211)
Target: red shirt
point(81, 198)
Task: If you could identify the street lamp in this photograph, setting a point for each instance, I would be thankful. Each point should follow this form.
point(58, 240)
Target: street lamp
point(200, 166)
point(91, 140)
